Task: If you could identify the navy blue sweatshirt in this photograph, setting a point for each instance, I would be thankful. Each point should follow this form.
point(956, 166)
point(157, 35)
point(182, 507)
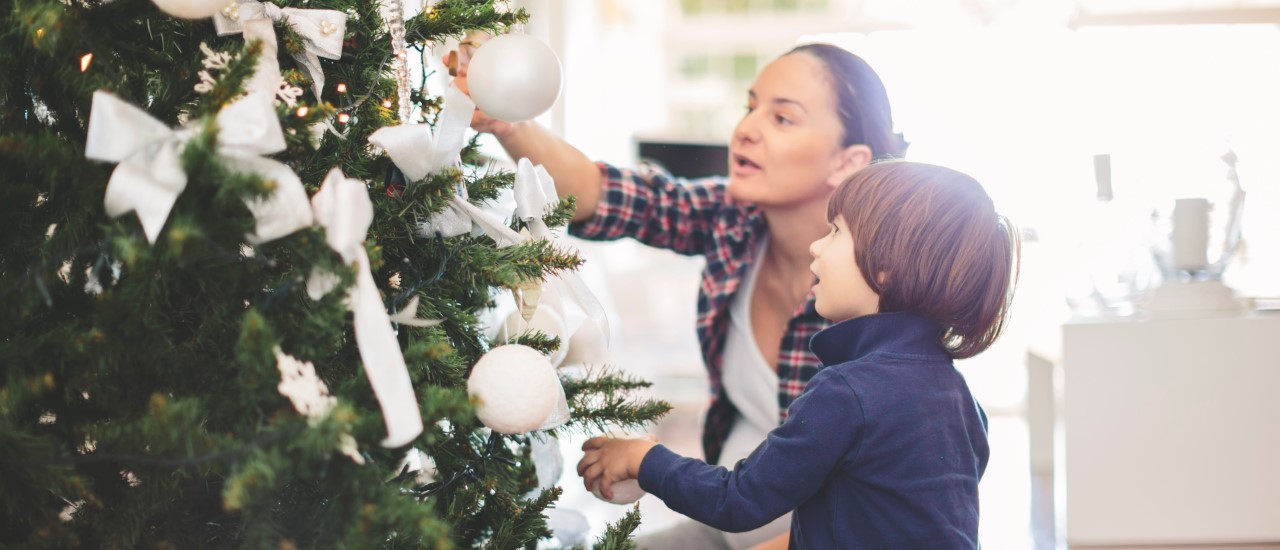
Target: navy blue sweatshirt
point(884, 449)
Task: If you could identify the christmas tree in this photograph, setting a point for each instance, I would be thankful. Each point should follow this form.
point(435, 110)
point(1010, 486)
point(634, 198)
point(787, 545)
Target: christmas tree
point(238, 308)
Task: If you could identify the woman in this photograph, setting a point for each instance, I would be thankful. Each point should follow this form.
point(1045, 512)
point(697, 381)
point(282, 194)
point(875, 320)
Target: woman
point(815, 115)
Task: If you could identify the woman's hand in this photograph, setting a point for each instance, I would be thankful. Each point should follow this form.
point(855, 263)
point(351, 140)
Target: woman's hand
point(458, 61)
point(574, 173)
point(609, 460)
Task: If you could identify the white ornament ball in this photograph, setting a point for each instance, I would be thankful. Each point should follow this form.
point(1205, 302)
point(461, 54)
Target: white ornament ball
point(624, 492)
point(545, 320)
point(514, 388)
point(190, 9)
point(514, 77)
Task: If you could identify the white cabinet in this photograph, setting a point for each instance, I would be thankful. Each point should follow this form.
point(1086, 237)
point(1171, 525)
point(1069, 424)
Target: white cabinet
point(1172, 430)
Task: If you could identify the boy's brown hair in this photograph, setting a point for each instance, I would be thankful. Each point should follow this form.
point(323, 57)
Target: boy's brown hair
point(929, 241)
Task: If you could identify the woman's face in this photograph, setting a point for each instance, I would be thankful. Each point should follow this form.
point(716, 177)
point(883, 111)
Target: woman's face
point(786, 150)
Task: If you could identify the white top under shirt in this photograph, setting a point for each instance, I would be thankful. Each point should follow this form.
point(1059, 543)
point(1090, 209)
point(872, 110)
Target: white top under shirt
point(752, 386)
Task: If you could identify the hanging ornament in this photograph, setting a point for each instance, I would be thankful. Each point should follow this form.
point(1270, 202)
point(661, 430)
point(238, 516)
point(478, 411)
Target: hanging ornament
point(190, 9)
point(298, 381)
point(546, 320)
point(627, 490)
point(515, 389)
point(310, 396)
point(586, 346)
point(393, 14)
point(570, 527)
point(514, 77)
point(527, 292)
point(548, 460)
point(624, 492)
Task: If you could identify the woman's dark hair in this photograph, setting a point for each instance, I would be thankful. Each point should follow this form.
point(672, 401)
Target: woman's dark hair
point(928, 240)
point(861, 100)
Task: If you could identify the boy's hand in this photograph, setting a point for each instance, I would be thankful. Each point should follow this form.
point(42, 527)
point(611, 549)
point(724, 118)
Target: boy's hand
point(611, 459)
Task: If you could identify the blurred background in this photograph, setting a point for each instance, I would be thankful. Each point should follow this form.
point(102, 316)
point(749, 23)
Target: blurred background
point(1084, 119)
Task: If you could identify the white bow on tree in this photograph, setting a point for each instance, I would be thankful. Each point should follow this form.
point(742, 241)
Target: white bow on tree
point(343, 208)
point(150, 176)
point(419, 153)
point(321, 32)
point(535, 194)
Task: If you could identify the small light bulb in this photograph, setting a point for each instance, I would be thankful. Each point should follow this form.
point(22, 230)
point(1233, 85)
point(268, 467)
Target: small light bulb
point(342, 87)
point(39, 33)
point(302, 111)
point(386, 103)
point(85, 60)
point(343, 118)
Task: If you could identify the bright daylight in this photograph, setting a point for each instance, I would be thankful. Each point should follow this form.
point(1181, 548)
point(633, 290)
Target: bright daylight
point(640, 274)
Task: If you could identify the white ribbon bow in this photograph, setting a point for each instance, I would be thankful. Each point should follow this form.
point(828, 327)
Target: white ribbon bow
point(321, 32)
point(343, 208)
point(535, 193)
point(416, 151)
point(150, 177)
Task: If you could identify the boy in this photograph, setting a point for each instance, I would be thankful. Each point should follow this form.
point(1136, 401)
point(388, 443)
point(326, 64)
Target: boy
point(886, 446)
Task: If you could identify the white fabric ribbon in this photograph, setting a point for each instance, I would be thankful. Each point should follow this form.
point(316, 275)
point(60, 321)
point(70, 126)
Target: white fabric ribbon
point(343, 208)
point(535, 194)
point(416, 151)
point(321, 32)
point(419, 153)
point(150, 177)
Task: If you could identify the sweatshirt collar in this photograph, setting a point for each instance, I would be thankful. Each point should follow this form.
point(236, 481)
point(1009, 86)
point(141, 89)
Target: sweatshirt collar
point(898, 332)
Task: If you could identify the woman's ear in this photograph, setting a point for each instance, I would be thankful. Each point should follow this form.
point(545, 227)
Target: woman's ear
point(848, 162)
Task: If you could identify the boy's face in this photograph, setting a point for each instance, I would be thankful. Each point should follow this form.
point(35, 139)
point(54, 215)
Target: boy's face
point(841, 292)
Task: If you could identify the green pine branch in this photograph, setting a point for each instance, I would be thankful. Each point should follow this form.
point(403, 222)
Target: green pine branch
point(618, 535)
point(601, 401)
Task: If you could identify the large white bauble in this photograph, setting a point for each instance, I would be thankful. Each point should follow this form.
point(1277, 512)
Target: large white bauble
point(514, 388)
point(190, 9)
point(514, 77)
point(624, 492)
point(545, 320)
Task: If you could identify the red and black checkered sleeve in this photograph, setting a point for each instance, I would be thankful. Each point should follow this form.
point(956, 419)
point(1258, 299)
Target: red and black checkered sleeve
point(654, 208)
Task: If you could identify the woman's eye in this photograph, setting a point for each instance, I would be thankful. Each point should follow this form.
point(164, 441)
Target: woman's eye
point(782, 120)
point(750, 108)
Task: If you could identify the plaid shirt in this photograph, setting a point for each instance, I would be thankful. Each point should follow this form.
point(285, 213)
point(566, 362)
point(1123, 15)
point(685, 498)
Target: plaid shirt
point(697, 218)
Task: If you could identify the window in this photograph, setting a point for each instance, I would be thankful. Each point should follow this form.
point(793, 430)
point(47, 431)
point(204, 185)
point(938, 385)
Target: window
point(744, 67)
point(695, 66)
